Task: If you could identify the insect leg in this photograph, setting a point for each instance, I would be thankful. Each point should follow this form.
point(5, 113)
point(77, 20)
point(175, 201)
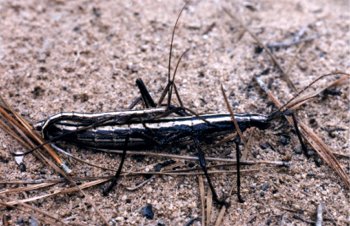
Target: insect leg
point(117, 174)
point(303, 146)
point(238, 165)
point(149, 102)
point(203, 165)
point(145, 95)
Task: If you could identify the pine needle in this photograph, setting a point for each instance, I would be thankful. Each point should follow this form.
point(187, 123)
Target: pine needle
point(315, 141)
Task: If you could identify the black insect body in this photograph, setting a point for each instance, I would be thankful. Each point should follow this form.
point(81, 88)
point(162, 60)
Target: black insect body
point(144, 133)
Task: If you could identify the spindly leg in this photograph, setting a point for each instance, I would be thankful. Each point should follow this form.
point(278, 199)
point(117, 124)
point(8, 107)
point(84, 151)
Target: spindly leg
point(145, 95)
point(149, 102)
point(117, 174)
point(238, 164)
point(203, 165)
point(296, 127)
point(299, 135)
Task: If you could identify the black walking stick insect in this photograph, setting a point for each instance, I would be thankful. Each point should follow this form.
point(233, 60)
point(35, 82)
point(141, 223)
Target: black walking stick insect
point(153, 127)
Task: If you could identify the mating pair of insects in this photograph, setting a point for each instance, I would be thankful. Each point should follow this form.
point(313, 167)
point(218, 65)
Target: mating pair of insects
point(158, 126)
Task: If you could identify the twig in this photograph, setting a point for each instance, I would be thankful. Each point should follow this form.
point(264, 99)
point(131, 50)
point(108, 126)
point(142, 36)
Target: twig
point(25, 130)
point(209, 206)
point(27, 188)
point(31, 139)
point(186, 157)
point(220, 216)
point(273, 58)
point(319, 218)
point(229, 108)
point(303, 99)
point(25, 207)
point(295, 57)
point(202, 197)
point(321, 148)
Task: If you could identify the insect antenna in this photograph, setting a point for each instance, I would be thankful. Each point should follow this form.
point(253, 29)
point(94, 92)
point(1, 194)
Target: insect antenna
point(172, 83)
point(168, 89)
point(280, 110)
point(285, 111)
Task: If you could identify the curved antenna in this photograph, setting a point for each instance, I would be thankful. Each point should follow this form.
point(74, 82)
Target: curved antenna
point(277, 112)
point(169, 86)
point(172, 81)
point(172, 39)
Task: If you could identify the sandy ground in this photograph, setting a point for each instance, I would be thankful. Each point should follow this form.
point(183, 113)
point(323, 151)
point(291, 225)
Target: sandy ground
point(84, 56)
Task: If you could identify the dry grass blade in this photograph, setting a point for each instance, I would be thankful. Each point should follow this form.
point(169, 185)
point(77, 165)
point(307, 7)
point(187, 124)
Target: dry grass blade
point(128, 174)
point(226, 139)
point(24, 130)
point(319, 215)
point(303, 99)
point(218, 221)
point(320, 147)
point(174, 173)
point(209, 206)
point(273, 58)
point(229, 108)
point(27, 208)
point(341, 155)
point(186, 157)
point(20, 129)
point(17, 127)
point(245, 152)
point(264, 87)
point(28, 188)
point(60, 191)
point(202, 196)
point(82, 160)
point(325, 153)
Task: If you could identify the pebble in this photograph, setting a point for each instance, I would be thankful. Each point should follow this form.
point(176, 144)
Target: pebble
point(284, 139)
point(147, 211)
point(149, 189)
point(33, 221)
point(298, 150)
point(265, 186)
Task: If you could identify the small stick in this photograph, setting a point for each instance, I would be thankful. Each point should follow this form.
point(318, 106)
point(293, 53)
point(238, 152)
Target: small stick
point(273, 58)
point(319, 218)
point(209, 206)
point(22, 127)
point(316, 142)
point(186, 157)
point(25, 207)
point(232, 115)
point(202, 197)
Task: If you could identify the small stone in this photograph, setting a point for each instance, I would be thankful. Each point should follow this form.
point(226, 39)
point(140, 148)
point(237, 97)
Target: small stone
point(119, 218)
point(147, 212)
point(298, 150)
point(265, 186)
point(264, 146)
point(33, 221)
point(310, 153)
point(284, 139)
point(22, 167)
point(149, 189)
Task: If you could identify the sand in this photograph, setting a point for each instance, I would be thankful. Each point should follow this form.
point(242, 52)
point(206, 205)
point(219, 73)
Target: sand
point(84, 56)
